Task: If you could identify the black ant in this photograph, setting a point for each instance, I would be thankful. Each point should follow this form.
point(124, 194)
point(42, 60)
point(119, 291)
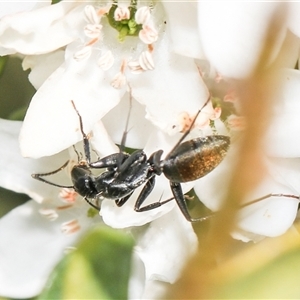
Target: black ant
point(187, 161)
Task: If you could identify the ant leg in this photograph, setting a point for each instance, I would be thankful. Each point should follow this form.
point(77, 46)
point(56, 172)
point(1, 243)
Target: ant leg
point(39, 176)
point(147, 189)
point(122, 201)
point(179, 197)
point(110, 161)
point(269, 196)
point(248, 204)
point(91, 203)
point(86, 143)
point(144, 195)
point(189, 129)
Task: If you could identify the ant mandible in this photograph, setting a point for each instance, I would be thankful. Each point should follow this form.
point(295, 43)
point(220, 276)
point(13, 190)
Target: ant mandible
point(187, 161)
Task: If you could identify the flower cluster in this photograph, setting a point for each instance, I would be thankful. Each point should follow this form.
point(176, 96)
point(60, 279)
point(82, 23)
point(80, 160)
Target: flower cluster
point(161, 61)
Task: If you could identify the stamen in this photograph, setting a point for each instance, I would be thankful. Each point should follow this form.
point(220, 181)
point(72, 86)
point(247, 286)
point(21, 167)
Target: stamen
point(91, 15)
point(146, 61)
point(148, 34)
point(62, 207)
point(93, 30)
point(143, 15)
point(185, 121)
point(92, 42)
point(217, 114)
point(236, 122)
point(106, 61)
point(231, 96)
point(218, 78)
point(118, 81)
point(84, 53)
point(135, 67)
point(68, 195)
point(70, 227)
point(103, 10)
point(121, 13)
point(49, 213)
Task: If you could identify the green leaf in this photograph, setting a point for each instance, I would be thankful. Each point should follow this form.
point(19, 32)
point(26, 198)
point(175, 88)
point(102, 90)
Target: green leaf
point(18, 114)
point(3, 60)
point(98, 269)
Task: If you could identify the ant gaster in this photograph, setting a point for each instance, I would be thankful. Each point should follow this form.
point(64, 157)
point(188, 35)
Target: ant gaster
point(187, 161)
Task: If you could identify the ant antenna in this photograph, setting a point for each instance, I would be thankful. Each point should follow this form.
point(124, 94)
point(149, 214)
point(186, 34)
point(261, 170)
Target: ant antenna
point(86, 144)
point(123, 141)
point(75, 150)
point(39, 176)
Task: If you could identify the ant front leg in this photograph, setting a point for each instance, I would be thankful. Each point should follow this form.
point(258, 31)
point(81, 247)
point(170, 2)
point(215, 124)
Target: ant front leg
point(122, 201)
point(110, 161)
point(147, 189)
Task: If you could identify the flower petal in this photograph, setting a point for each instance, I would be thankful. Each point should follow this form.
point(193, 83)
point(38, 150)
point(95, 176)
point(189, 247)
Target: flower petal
point(41, 30)
point(29, 250)
point(176, 87)
point(269, 217)
point(51, 116)
point(139, 128)
point(233, 34)
point(285, 125)
point(182, 23)
point(166, 246)
point(15, 171)
point(8, 8)
point(42, 66)
point(293, 17)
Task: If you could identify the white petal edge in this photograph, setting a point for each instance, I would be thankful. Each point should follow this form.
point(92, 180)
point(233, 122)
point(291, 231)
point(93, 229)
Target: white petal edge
point(26, 34)
point(15, 171)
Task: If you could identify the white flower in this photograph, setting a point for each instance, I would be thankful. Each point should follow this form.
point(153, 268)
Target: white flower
point(274, 215)
point(48, 227)
point(102, 56)
point(89, 86)
point(233, 39)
